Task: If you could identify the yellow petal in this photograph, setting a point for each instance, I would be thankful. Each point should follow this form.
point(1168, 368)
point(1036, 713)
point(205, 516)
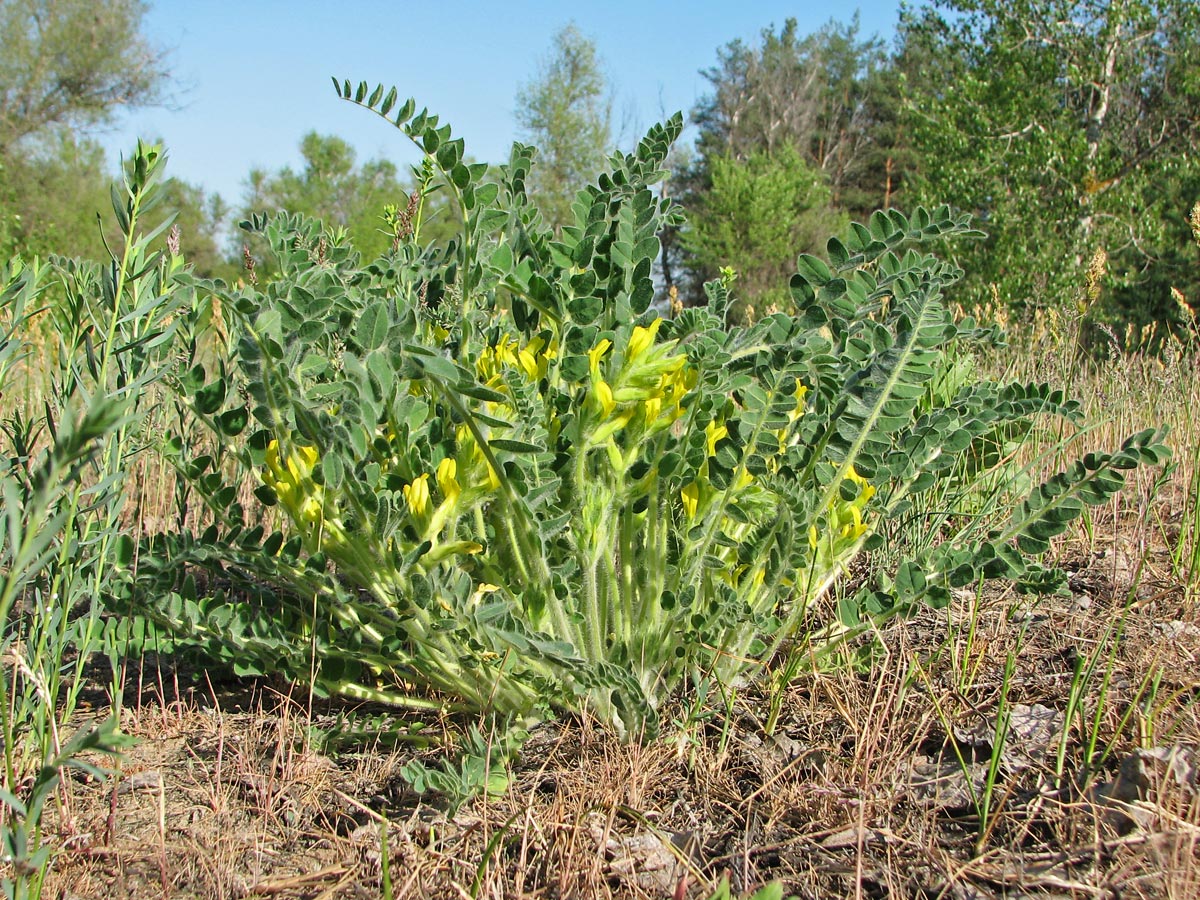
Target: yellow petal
point(595, 354)
point(604, 397)
point(447, 469)
point(483, 590)
point(641, 340)
point(800, 394)
point(650, 410)
point(690, 496)
point(528, 364)
point(416, 495)
point(715, 432)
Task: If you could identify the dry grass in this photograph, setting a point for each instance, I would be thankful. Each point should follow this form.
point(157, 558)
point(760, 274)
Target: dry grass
point(855, 794)
point(861, 789)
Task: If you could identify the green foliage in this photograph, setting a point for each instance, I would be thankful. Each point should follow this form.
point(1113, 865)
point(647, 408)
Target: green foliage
point(20, 843)
point(67, 67)
point(1039, 111)
point(772, 891)
point(63, 552)
point(54, 196)
point(755, 217)
point(509, 487)
point(333, 188)
point(72, 64)
point(481, 768)
point(565, 113)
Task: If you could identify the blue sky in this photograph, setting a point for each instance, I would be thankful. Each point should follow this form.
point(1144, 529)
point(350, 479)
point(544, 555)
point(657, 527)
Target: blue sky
point(251, 78)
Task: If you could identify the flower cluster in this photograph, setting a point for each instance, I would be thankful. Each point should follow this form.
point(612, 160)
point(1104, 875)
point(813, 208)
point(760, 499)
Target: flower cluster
point(645, 389)
point(290, 476)
point(697, 495)
point(534, 360)
point(845, 526)
point(291, 480)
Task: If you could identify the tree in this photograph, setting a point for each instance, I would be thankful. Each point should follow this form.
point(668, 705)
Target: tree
point(829, 95)
point(49, 199)
point(330, 187)
point(1065, 126)
point(566, 114)
point(758, 214)
point(72, 64)
point(66, 66)
point(55, 198)
point(791, 108)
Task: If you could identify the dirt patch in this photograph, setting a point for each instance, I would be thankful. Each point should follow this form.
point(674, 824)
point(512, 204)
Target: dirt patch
point(1002, 748)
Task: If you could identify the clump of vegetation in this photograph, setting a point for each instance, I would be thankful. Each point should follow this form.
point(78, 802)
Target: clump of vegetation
point(509, 485)
point(75, 409)
point(504, 483)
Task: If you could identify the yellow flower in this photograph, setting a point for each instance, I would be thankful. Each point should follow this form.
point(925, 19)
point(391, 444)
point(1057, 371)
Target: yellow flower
point(482, 591)
point(447, 469)
point(475, 466)
point(641, 340)
point(298, 466)
point(304, 500)
point(528, 363)
point(866, 489)
point(800, 393)
point(492, 361)
point(604, 399)
point(416, 495)
point(595, 354)
point(714, 432)
point(506, 351)
point(291, 479)
point(534, 358)
point(452, 548)
point(651, 409)
point(493, 478)
point(690, 496)
point(854, 529)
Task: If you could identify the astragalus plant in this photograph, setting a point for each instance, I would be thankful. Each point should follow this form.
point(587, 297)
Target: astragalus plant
point(509, 483)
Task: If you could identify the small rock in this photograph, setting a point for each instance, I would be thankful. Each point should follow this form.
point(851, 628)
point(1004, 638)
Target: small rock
point(944, 785)
point(851, 837)
point(1120, 802)
point(652, 861)
point(1032, 730)
point(1176, 630)
point(148, 780)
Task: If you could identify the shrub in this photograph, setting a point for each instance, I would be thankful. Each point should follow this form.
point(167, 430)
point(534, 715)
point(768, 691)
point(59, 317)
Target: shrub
point(509, 485)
